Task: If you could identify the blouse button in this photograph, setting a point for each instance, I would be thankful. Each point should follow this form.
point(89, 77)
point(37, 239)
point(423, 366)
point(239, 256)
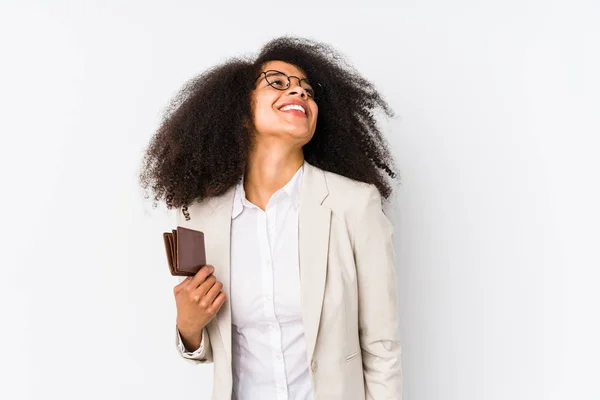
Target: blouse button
point(313, 365)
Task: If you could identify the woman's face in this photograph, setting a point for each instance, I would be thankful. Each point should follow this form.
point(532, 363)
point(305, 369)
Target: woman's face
point(289, 114)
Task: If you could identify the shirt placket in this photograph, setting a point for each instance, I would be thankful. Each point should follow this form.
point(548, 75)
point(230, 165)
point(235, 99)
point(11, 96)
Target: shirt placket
point(265, 233)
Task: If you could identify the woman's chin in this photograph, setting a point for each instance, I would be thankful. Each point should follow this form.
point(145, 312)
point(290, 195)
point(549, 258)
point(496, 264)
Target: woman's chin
point(297, 130)
point(287, 133)
point(303, 136)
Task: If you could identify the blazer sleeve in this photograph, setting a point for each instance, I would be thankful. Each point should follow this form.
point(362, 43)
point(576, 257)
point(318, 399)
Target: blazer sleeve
point(378, 301)
point(201, 356)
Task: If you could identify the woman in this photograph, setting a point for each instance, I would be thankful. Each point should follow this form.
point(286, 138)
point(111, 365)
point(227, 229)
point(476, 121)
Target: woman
point(280, 162)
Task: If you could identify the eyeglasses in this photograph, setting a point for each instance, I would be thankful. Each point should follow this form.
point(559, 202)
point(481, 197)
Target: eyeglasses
point(281, 81)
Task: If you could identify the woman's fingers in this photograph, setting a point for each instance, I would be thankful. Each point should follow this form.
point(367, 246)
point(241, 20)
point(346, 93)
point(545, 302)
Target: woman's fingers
point(203, 295)
point(201, 291)
point(201, 276)
point(216, 305)
point(212, 293)
point(198, 285)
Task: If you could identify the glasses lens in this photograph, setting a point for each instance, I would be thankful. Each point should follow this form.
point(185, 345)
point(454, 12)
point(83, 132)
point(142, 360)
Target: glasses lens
point(308, 88)
point(277, 79)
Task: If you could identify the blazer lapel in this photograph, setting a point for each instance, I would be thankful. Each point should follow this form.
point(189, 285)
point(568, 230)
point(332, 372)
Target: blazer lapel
point(218, 244)
point(314, 221)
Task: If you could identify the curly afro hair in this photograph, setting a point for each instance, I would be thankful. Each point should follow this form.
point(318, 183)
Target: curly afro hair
point(201, 148)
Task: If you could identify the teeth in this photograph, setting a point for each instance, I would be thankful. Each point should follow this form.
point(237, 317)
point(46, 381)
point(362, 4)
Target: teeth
point(293, 107)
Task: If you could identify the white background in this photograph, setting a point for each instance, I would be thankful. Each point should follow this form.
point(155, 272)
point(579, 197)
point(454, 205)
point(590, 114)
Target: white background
point(497, 221)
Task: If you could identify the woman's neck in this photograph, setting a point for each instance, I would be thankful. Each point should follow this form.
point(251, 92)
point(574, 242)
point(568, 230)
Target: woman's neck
point(268, 171)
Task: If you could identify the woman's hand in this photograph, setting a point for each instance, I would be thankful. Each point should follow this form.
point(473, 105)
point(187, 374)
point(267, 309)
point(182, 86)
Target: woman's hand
point(198, 299)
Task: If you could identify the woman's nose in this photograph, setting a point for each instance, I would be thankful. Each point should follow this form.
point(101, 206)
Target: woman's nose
point(297, 89)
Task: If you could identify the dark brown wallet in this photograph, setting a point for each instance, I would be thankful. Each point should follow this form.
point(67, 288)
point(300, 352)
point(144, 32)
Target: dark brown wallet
point(186, 253)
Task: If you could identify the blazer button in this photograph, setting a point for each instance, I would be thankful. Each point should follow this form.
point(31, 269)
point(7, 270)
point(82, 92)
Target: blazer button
point(313, 365)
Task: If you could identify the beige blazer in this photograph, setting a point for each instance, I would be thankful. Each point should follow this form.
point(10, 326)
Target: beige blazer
point(348, 278)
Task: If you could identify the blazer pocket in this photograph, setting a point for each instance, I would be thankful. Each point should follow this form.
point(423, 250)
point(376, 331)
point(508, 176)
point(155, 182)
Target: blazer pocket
point(352, 356)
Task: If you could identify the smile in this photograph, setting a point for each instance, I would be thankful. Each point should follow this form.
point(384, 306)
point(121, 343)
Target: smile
point(293, 107)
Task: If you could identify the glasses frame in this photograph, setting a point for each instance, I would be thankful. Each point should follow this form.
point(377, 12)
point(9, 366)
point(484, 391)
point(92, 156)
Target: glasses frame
point(316, 89)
